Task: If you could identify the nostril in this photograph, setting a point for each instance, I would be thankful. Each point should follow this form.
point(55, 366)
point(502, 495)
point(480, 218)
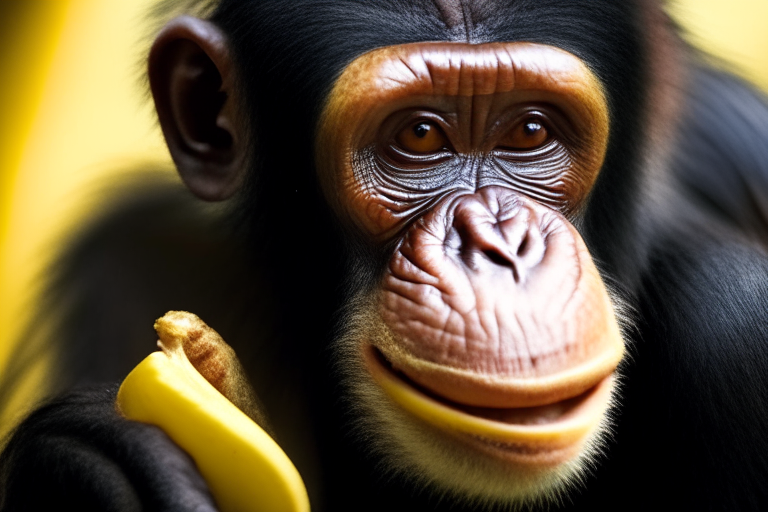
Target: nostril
point(524, 245)
point(501, 259)
point(497, 257)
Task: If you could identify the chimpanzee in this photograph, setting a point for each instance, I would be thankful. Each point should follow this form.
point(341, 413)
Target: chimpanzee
point(474, 254)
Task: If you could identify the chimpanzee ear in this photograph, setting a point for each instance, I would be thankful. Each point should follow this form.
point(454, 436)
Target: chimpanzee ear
point(192, 78)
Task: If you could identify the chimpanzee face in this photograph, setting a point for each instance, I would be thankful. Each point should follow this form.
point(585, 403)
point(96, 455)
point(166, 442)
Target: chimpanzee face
point(486, 351)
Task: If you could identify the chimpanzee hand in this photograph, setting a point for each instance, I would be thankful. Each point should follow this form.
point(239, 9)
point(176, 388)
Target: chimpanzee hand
point(78, 453)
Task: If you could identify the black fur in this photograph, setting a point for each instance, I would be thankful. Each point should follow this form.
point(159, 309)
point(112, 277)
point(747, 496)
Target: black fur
point(692, 260)
point(94, 460)
point(277, 44)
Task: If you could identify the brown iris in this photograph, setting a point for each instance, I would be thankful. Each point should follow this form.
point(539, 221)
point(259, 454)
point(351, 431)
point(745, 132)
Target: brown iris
point(422, 137)
point(527, 135)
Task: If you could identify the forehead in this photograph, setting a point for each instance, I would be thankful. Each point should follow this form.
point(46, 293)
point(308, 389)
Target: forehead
point(461, 69)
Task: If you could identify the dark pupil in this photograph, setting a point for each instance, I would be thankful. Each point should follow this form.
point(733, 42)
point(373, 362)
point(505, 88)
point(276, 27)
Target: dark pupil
point(420, 130)
point(531, 128)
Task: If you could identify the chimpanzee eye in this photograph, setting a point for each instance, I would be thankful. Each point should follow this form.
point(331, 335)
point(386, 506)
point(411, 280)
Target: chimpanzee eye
point(526, 135)
point(422, 137)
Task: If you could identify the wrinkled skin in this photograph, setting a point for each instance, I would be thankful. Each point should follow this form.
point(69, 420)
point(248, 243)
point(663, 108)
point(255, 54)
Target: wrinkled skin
point(449, 176)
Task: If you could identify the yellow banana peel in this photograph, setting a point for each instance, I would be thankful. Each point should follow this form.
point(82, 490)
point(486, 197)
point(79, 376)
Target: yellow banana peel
point(188, 389)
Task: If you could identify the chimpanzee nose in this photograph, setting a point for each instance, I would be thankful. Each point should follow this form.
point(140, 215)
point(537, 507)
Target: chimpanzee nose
point(496, 226)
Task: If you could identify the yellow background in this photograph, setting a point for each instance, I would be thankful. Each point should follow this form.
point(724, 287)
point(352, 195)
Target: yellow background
point(74, 114)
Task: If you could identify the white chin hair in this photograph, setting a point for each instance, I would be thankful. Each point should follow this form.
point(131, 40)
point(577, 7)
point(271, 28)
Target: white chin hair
point(430, 458)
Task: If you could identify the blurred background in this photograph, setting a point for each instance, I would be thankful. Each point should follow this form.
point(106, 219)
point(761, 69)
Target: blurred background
point(75, 116)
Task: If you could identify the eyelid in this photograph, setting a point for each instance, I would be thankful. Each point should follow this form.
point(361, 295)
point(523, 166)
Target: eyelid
point(415, 117)
point(393, 151)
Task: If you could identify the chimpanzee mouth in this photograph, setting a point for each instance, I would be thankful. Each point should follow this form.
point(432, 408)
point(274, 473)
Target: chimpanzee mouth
point(546, 434)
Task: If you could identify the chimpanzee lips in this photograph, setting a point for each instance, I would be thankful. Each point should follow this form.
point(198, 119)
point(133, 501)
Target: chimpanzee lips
point(541, 435)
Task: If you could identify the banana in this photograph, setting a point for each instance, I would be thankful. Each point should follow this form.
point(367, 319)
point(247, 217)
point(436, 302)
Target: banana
point(195, 390)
